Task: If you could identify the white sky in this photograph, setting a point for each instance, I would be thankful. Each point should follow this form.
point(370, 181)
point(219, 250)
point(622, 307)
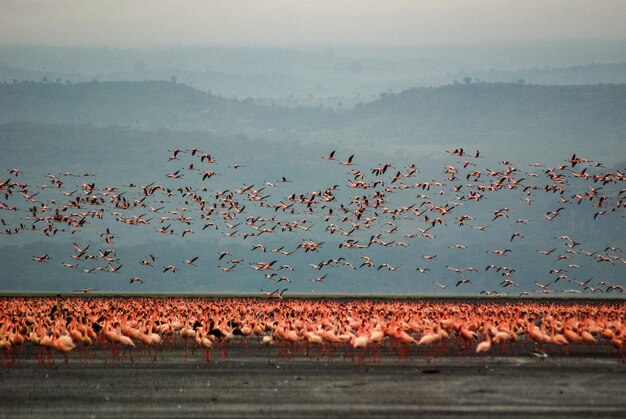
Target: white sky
point(152, 23)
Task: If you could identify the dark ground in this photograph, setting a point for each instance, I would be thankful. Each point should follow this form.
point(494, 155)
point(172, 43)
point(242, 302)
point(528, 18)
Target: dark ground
point(256, 382)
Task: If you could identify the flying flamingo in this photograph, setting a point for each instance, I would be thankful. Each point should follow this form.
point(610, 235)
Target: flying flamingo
point(330, 156)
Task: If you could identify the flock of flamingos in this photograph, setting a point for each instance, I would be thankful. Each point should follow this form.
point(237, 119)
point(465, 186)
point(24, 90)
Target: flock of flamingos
point(361, 218)
point(315, 328)
point(377, 220)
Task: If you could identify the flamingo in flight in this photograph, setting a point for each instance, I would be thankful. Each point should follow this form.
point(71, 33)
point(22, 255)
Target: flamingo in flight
point(349, 161)
point(191, 261)
point(330, 156)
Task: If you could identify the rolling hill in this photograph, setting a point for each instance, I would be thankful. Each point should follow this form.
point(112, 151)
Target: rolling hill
point(590, 118)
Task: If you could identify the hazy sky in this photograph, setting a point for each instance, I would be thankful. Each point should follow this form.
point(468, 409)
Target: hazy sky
point(151, 23)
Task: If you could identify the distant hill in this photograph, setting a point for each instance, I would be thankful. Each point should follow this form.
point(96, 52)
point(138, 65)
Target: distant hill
point(578, 74)
point(473, 113)
point(494, 113)
point(324, 74)
point(148, 105)
point(14, 74)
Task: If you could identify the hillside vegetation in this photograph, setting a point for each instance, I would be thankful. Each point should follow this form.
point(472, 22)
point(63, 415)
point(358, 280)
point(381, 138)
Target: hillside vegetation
point(497, 112)
point(474, 113)
point(149, 105)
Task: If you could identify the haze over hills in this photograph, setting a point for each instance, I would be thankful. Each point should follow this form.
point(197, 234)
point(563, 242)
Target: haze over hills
point(324, 74)
point(475, 114)
point(497, 113)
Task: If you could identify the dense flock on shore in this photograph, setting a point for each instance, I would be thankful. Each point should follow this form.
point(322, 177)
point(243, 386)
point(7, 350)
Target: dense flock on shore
point(320, 328)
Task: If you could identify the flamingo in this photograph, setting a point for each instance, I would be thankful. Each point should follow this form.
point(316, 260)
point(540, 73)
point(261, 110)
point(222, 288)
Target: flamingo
point(171, 268)
point(349, 161)
point(114, 270)
point(191, 261)
point(85, 290)
point(330, 156)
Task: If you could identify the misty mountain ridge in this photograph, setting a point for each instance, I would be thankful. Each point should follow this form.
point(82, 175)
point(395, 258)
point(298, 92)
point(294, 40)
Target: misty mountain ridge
point(323, 74)
point(464, 113)
point(347, 82)
point(496, 112)
point(148, 104)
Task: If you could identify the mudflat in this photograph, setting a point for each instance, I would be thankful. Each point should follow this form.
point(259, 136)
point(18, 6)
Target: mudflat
point(253, 381)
